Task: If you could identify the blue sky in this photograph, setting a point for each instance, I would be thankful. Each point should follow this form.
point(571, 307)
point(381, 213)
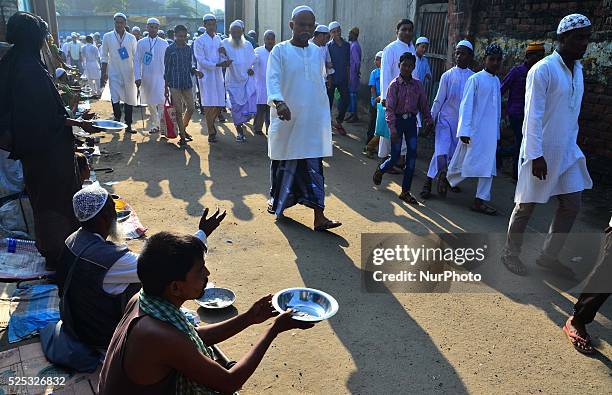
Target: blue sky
point(220, 4)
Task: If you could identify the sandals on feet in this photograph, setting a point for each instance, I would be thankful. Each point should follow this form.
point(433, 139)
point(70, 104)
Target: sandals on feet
point(329, 224)
point(514, 265)
point(484, 209)
point(408, 198)
point(426, 192)
point(582, 345)
point(556, 267)
point(442, 185)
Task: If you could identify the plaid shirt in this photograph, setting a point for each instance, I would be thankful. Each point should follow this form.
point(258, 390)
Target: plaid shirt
point(178, 66)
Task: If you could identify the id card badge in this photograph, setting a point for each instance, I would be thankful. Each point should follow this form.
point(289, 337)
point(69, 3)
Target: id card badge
point(123, 53)
point(148, 57)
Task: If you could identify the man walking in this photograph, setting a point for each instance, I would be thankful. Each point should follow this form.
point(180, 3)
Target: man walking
point(260, 66)
point(91, 61)
point(339, 51)
point(354, 74)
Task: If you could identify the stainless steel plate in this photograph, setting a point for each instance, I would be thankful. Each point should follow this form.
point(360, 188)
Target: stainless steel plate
point(308, 304)
point(109, 124)
point(217, 298)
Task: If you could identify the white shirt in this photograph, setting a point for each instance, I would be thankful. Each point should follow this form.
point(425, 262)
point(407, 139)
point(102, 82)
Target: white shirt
point(479, 118)
point(237, 79)
point(550, 129)
point(389, 68)
point(260, 66)
point(450, 93)
point(296, 76)
point(206, 52)
point(120, 71)
point(91, 60)
point(151, 75)
point(123, 272)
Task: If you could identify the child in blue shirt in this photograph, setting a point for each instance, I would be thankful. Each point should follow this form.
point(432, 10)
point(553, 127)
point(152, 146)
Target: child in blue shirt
point(372, 142)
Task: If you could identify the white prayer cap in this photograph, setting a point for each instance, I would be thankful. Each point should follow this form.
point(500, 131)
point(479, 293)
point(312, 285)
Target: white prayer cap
point(465, 43)
point(236, 23)
point(201, 29)
point(136, 29)
point(209, 17)
point(119, 14)
point(322, 29)
point(334, 25)
point(59, 72)
point(252, 32)
point(300, 9)
point(422, 40)
point(571, 22)
point(268, 32)
point(160, 31)
point(88, 202)
point(153, 21)
point(379, 54)
point(74, 34)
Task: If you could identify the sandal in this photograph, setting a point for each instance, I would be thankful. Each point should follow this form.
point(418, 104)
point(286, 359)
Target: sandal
point(582, 345)
point(484, 209)
point(556, 267)
point(212, 139)
point(514, 265)
point(442, 185)
point(455, 189)
point(329, 224)
point(408, 198)
point(340, 129)
point(426, 192)
point(270, 208)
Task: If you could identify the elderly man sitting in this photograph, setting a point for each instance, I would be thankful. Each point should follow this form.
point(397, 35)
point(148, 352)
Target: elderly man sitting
point(104, 277)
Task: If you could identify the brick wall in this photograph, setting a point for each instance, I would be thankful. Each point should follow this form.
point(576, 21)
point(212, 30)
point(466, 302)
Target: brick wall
point(513, 23)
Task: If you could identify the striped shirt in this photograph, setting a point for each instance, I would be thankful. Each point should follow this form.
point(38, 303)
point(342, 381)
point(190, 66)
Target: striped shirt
point(178, 71)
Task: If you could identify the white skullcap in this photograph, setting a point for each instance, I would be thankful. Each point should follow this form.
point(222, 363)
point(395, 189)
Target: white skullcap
point(88, 202)
point(571, 22)
point(300, 9)
point(74, 34)
point(201, 29)
point(268, 32)
point(59, 72)
point(465, 43)
point(119, 14)
point(379, 54)
point(236, 23)
point(160, 31)
point(135, 29)
point(322, 29)
point(96, 34)
point(334, 25)
point(154, 21)
point(422, 40)
point(209, 17)
point(251, 32)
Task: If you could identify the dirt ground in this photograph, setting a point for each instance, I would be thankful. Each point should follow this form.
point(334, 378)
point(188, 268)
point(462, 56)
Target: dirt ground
point(377, 343)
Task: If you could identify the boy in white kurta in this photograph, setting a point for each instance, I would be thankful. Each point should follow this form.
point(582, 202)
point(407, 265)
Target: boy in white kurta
point(478, 130)
point(300, 128)
point(552, 164)
point(117, 56)
point(445, 111)
point(260, 66)
point(149, 72)
point(91, 62)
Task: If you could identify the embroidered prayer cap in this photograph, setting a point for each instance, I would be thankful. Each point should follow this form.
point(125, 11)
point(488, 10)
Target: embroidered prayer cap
point(88, 202)
point(379, 54)
point(59, 72)
point(334, 25)
point(236, 23)
point(268, 32)
point(300, 9)
point(136, 29)
point(160, 31)
point(571, 22)
point(209, 17)
point(493, 49)
point(465, 43)
point(422, 40)
point(535, 47)
point(251, 33)
point(120, 15)
point(153, 21)
point(322, 29)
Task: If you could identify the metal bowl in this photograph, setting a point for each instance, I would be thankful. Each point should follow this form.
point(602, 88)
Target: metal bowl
point(217, 298)
point(308, 304)
point(109, 124)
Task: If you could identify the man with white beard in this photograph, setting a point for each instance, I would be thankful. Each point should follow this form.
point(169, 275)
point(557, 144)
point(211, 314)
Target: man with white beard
point(149, 72)
point(239, 78)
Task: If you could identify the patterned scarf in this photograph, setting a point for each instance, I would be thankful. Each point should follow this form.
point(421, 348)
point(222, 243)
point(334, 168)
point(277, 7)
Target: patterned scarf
point(163, 310)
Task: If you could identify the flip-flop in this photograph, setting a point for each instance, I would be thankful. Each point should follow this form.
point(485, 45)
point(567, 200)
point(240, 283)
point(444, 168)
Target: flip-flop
point(514, 265)
point(582, 345)
point(484, 209)
point(270, 208)
point(327, 225)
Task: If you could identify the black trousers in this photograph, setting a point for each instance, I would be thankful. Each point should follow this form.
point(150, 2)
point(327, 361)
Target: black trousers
point(128, 112)
point(371, 123)
point(598, 285)
point(344, 99)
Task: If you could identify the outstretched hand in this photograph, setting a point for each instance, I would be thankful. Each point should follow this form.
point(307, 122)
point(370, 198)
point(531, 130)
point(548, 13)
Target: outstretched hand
point(208, 225)
point(262, 310)
point(285, 322)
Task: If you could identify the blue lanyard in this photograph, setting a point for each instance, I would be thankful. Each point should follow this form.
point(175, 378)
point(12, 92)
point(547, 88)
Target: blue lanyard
point(154, 43)
point(119, 41)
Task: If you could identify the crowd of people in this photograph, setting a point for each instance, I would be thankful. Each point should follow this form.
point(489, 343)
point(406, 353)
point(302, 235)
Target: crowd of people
point(118, 303)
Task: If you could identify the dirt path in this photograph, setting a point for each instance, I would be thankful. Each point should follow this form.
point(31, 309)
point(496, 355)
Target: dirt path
point(378, 343)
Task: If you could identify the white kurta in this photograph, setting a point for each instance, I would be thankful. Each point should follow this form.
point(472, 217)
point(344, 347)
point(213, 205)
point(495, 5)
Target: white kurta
point(91, 61)
point(152, 75)
point(206, 51)
point(479, 117)
point(550, 129)
point(238, 82)
point(445, 111)
point(120, 71)
point(260, 66)
point(297, 76)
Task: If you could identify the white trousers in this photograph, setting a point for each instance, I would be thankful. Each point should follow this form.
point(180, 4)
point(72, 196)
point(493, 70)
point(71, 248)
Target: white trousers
point(155, 110)
point(95, 86)
point(483, 189)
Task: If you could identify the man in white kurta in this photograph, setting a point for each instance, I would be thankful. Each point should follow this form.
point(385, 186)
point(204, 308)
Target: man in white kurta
point(117, 56)
point(210, 63)
point(260, 66)
point(73, 54)
point(389, 70)
point(300, 126)
point(552, 164)
point(445, 112)
point(91, 63)
point(149, 72)
point(240, 78)
point(478, 130)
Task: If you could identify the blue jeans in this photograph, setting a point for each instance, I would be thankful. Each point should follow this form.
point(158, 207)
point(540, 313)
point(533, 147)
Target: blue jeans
point(352, 108)
point(407, 129)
